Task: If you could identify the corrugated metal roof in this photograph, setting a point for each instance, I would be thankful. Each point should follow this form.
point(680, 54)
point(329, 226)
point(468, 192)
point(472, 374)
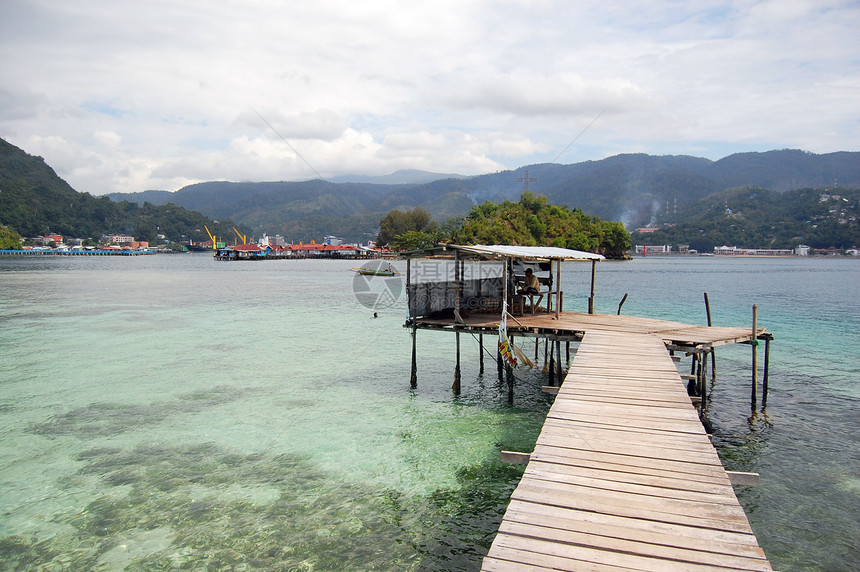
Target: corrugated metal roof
point(529, 252)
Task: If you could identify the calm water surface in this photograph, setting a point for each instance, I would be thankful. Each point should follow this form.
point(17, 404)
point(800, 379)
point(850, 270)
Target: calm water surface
point(173, 412)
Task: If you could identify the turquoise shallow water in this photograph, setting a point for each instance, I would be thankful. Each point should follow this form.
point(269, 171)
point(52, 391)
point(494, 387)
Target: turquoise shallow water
point(172, 411)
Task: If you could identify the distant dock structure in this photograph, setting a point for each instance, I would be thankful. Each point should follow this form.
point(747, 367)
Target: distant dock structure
point(623, 475)
point(75, 252)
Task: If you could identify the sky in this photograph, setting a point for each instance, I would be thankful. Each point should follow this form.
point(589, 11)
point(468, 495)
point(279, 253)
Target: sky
point(126, 95)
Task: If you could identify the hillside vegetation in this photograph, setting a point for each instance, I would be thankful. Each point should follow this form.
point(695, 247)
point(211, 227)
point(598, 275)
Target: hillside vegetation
point(35, 201)
point(761, 218)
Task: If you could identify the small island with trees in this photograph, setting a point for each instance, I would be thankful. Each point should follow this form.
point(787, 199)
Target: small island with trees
point(531, 221)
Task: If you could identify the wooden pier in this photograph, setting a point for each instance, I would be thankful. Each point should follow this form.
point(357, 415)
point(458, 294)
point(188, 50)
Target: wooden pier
point(623, 475)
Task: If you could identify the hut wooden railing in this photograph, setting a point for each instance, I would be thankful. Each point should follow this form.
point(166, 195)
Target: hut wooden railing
point(431, 298)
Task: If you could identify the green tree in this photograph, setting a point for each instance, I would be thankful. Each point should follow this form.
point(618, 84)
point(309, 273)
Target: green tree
point(414, 240)
point(9, 239)
point(532, 221)
point(398, 222)
point(616, 239)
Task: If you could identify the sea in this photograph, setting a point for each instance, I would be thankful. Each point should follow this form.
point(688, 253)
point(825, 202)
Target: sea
point(174, 412)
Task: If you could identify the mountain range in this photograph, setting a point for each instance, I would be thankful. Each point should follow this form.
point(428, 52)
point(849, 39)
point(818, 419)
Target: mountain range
point(636, 189)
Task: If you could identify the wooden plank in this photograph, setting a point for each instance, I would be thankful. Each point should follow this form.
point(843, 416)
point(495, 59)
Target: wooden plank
point(636, 484)
point(570, 557)
point(516, 560)
point(693, 555)
point(636, 456)
point(636, 529)
point(606, 419)
point(569, 405)
point(491, 564)
point(515, 457)
point(744, 479)
point(648, 400)
point(659, 509)
point(662, 439)
point(574, 459)
point(660, 429)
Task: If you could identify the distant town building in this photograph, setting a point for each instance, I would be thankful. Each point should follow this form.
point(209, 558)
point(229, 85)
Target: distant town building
point(647, 249)
point(276, 240)
point(117, 238)
point(48, 239)
point(735, 251)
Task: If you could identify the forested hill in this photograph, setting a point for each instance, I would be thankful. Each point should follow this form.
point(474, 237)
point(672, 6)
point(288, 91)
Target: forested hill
point(634, 189)
point(35, 201)
point(752, 217)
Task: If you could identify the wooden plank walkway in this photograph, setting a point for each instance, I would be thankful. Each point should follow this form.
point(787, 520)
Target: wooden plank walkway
point(577, 324)
point(623, 475)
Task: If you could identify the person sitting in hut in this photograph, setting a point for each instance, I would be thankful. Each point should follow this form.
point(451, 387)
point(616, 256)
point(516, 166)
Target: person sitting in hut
point(531, 285)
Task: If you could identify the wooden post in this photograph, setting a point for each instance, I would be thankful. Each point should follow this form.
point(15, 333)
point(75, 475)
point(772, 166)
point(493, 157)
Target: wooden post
point(591, 297)
point(754, 342)
point(549, 296)
point(505, 279)
point(545, 350)
point(624, 299)
point(704, 381)
point(408, 292)
point(764, 375)
point(537, 346)
point(413, 381)
point(567, 351)
point(510, 372)
point(499, 362)
point(457, 286)
point(551, 362)
point(691, 385)
point(560, 376)
point(481, 353)
point(713, 356)
point(557, 287)
point(456, 386)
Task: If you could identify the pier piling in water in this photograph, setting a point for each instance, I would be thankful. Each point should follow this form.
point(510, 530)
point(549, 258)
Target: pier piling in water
point(754, 342)
point(413, 380)
point(481, 354)
point(456, 386)
point(713, 357)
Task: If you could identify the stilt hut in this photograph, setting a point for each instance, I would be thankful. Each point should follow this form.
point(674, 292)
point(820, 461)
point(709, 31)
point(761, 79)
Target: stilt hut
point(454, 280)
point(475, 289)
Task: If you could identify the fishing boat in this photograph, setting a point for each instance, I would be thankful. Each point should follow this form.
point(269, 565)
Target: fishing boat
point(365, 271)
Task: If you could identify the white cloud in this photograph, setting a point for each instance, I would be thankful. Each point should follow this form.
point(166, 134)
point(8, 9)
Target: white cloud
point(139, 95)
